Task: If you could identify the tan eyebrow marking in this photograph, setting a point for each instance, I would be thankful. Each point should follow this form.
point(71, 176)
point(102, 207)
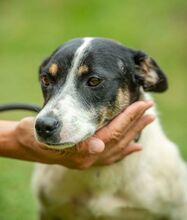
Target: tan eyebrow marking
point(83, 69)
point(53, 69)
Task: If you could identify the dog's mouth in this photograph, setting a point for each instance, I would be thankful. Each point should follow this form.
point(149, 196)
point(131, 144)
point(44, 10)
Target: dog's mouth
point(62, 145)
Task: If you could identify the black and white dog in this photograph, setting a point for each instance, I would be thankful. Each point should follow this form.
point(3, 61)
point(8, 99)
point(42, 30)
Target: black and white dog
point(86, 82)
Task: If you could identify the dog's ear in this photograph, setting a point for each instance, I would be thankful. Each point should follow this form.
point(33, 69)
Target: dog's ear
point(44, 63)
point(148, 74)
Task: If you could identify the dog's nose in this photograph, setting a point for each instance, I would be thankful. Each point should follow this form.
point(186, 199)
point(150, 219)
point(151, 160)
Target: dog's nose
point(46, 126)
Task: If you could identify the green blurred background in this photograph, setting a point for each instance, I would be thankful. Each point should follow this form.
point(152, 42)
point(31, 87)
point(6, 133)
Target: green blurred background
point(30, 30)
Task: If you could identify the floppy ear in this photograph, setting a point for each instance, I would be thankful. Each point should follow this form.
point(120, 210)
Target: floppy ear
point(44, 63)
point(148, 73)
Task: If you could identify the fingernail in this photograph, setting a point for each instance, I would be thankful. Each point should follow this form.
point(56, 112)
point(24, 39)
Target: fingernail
point(96, 145)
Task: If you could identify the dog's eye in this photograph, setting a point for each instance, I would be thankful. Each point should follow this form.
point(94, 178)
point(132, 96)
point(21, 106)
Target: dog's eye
point(45, 80)
point(94, 81)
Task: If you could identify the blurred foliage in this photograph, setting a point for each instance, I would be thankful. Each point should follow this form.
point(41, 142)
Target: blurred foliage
point(30, 30)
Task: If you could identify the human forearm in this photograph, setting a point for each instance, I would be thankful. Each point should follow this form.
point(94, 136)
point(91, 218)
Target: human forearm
point(7, 138)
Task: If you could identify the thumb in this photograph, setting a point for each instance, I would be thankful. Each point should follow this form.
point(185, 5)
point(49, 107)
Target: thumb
point(95, 145)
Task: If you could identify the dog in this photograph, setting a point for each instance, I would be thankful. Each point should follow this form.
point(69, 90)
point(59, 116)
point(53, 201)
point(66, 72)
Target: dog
point(86, 82)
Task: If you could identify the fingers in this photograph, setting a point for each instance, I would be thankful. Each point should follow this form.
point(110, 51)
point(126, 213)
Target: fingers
point(123, 144)
point(26, 123)
point(136, 129)
point(123, 121)
point(120, 155)
point(134, 147)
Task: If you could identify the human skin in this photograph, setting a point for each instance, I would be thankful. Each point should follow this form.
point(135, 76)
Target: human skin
point(108, 145)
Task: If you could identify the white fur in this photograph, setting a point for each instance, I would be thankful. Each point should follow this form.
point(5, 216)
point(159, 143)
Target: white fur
point(152, 182)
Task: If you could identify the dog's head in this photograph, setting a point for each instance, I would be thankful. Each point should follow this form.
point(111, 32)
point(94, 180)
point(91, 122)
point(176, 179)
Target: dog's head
point(88, 81)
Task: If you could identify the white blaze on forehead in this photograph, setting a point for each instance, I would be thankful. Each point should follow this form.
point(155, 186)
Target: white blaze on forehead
point(80, 53)
point(69, 88)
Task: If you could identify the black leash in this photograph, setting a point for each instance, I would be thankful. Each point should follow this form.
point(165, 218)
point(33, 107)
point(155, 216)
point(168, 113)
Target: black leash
point(19, 106)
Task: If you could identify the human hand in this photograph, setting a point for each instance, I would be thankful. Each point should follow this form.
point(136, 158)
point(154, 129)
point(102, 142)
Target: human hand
point(109, 144)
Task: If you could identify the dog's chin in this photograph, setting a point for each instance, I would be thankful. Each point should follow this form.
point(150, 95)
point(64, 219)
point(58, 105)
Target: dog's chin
point(62, 144)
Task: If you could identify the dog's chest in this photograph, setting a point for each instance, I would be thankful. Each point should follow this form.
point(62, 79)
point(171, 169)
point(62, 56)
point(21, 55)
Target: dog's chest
point(96, 192)
point(65, 184)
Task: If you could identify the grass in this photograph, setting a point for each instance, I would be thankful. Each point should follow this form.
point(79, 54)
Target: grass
point(30, 30)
